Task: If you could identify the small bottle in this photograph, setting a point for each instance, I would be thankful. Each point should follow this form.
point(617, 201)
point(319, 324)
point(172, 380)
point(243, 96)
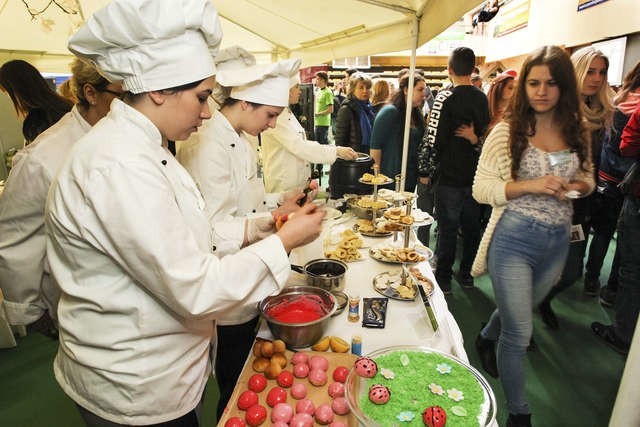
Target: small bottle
point(356, 345)
point(354, 308)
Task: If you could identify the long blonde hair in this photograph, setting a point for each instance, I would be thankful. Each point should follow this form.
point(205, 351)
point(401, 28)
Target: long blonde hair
point(599, 111)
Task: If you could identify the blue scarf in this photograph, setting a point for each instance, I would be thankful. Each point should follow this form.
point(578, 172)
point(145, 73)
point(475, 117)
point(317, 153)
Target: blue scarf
point(365, 114)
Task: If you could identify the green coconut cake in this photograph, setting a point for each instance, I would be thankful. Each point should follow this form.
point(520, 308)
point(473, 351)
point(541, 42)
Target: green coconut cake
point(418, 380)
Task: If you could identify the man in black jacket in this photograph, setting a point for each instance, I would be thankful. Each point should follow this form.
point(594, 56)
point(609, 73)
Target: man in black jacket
point(447, 158)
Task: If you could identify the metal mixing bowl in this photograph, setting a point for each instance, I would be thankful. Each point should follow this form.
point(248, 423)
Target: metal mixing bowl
point(299, 335)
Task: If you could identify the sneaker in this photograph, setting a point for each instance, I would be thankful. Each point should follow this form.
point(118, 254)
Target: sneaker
point(607, 296)
point(591, 287)
point(609, 337)
point(464, 280)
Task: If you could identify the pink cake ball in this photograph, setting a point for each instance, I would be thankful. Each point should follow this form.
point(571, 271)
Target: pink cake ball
point(324, 414)
point(282, 412)
point(301, 420)
point(305, 406)
point(336, 390)
point(298, 391)
point(318, 362)
point(340, 406)
point(318, 377)
point(299, 357)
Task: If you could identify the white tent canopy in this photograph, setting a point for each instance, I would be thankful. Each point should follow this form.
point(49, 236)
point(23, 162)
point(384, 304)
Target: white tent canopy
point(271, 29)
point(315, 31)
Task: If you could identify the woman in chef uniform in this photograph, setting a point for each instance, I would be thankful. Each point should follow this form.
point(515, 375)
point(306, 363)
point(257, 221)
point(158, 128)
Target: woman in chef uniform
point(225, 167)
point(287, 153)
point(31, 297)
point(128, 240)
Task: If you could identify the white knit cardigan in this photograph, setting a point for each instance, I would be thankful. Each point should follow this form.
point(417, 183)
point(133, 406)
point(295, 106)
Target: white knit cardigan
point(489, 185)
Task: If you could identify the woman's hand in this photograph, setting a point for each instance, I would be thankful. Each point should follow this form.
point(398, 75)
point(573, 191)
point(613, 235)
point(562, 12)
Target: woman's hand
point(289, 204)
point(467, 132)
point(302, 228)
point(346, 153)
point(551, 185)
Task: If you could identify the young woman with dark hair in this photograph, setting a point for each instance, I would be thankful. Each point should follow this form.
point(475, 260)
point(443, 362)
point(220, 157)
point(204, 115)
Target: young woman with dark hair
point(388, 131)
point(530, 164)
point(32, 97)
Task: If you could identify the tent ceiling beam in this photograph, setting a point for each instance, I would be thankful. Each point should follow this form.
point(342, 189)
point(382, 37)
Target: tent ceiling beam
point(277, 45)
point(385, 5)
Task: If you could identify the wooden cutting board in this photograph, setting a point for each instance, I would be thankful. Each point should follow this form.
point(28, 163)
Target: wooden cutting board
point(318, 395)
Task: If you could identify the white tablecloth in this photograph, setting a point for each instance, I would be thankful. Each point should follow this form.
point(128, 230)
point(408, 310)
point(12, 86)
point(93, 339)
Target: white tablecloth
point(406, 323)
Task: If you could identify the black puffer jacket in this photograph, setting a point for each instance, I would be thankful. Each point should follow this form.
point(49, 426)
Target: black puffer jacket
point(348, 133)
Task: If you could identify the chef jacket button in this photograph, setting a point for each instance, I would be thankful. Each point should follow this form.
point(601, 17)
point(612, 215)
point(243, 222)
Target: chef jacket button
point(164, 162)
point(264, 202)
point(233, 145)
point(254, 211)
point(213, 248)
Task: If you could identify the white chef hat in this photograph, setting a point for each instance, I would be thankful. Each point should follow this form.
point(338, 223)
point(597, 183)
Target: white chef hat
point(294, 80)
point(266, 84)
point(234, 57)
point(151, 44)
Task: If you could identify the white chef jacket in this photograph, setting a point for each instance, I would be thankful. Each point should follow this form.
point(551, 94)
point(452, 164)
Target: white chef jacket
point(224, 166)
point(129, 244)
point(287, 154)
point(24, 277)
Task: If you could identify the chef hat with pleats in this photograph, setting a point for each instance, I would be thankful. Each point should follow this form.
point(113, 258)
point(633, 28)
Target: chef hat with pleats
point(228, 59)
point(294, 80)
point(266, 84)
point(151, 44)
point(234, 57)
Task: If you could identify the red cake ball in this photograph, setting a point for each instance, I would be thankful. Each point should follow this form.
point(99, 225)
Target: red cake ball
point(235, 422)
point(256, 415)
point(340, 374)
point(257, 382)
point(247, 399)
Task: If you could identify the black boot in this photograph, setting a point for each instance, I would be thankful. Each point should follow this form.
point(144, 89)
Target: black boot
point(548, 316)
point(487, 352)
point(519, 420)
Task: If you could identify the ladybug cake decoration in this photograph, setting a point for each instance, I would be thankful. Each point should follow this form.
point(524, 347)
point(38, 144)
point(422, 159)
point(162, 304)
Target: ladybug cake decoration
point(434, 416)
point(366, 367)
point(379, 394)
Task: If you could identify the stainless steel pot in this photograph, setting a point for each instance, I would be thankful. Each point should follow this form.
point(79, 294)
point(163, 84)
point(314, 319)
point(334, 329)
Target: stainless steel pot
point(324, 273)
point(299, 335)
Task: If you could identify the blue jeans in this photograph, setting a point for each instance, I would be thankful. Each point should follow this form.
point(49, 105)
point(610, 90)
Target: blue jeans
point(526, 258)
point(628, 299)
point(456, 208)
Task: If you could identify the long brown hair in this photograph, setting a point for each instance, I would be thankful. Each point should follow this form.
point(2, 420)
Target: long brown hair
point(630, 83)
point(399, 100)
point(567, 113)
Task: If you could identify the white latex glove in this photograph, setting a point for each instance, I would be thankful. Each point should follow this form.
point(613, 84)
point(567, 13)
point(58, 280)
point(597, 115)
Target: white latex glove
point(346, 153)
point(260, 227)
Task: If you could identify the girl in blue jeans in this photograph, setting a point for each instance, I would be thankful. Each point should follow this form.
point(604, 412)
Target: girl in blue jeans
point(531, 165)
